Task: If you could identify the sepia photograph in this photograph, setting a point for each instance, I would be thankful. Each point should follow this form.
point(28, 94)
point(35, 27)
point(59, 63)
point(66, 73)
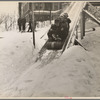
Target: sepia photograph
point(50, 49)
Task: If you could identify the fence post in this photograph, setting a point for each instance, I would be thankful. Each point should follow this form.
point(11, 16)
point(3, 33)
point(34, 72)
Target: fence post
point(33, 23)
point(82, 24)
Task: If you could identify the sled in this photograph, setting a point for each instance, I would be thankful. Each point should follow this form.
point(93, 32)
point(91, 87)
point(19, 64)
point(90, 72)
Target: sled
point(55, 45)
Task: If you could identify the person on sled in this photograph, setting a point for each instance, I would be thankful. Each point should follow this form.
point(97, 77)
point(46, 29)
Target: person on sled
point(54, 30)
point(67, 20)
point(64, 26)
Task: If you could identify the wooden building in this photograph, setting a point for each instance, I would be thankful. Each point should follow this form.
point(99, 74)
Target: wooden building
point(42, 10)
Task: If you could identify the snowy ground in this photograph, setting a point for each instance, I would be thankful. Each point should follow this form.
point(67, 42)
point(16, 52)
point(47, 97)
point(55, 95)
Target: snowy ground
point(74, 74)
point(16, 54)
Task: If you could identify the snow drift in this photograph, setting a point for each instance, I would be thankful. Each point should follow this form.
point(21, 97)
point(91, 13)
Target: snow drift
point(73, 74)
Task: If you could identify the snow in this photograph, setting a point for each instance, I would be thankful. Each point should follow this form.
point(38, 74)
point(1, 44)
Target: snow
point(74, 74)
point(17, 53)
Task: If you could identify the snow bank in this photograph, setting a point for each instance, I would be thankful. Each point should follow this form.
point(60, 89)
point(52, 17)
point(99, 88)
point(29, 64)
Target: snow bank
point(92, 43)
point(71, 75)
point(16, 52)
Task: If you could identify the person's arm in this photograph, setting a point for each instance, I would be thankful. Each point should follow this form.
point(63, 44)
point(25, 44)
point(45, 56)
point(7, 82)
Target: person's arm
point(52, 26)
point(49, 33)
point(53, 35)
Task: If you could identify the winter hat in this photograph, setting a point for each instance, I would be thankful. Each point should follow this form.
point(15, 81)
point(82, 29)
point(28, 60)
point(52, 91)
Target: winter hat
point(65, 14)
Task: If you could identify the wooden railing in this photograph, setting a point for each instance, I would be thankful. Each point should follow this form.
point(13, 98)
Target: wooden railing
point(94, 11)
point(73, 31)
point(92, 17)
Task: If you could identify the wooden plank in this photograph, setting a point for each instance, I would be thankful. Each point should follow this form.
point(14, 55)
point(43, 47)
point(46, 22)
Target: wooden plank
point(94, 10)
point(33, 27)
point(92, 17)
point(82, 24)
point(80, 44)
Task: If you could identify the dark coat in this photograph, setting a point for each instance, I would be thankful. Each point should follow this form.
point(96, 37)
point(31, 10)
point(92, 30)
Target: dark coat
point(64, 28)
point(19, 21)
point(23, 21)
point(53, 32)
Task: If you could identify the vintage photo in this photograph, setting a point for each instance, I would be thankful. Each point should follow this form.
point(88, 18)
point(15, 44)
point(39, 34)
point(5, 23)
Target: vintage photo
point(49, 49)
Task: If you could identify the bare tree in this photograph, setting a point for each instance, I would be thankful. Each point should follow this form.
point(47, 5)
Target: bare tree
point(9, 21)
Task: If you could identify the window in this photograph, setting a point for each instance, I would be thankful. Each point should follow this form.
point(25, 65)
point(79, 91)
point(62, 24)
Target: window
point(48, 6)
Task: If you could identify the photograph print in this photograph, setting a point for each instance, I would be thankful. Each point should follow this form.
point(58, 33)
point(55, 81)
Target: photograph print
point(49, 49)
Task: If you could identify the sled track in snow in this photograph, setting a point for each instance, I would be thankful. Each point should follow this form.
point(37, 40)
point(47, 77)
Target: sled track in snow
point(47, 57)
